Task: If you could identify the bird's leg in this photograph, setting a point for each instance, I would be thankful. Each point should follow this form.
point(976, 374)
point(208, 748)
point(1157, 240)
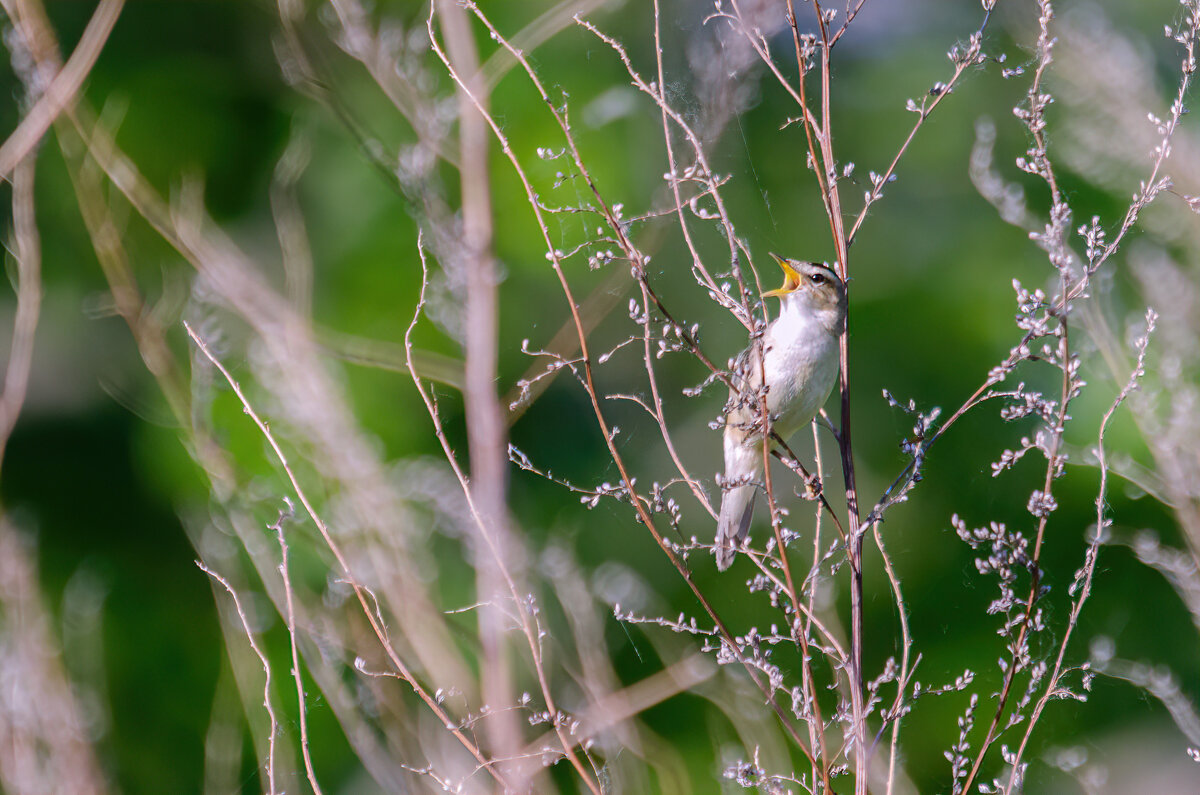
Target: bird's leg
point(829, 426)
point(812, 484)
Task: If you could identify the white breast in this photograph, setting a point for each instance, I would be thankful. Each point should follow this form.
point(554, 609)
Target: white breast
point(801, 363)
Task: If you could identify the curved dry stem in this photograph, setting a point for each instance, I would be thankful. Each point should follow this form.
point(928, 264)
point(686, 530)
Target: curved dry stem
point(266, 666)
point(290, 619)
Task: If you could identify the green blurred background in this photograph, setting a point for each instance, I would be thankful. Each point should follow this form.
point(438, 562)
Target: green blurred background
point(97, 476)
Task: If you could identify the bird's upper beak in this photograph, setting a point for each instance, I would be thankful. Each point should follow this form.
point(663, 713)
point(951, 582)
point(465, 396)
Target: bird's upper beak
point(791, 279)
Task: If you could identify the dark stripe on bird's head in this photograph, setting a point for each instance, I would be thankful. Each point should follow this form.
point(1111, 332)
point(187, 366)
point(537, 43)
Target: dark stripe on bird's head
point(797, 273)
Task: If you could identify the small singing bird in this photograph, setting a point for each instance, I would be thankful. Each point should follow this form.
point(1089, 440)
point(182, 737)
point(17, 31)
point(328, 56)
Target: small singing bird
point(799, 354)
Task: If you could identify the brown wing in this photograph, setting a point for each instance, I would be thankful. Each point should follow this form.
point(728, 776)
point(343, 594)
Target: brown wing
point(742, 409)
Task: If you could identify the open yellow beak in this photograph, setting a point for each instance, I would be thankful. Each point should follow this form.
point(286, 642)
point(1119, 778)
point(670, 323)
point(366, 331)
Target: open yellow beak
point(791, 279)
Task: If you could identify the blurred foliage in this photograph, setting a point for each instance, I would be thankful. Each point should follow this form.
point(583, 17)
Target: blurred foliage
point(100, 478)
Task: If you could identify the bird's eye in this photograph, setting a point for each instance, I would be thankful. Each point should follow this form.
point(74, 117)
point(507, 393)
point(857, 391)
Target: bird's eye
point(817, 278)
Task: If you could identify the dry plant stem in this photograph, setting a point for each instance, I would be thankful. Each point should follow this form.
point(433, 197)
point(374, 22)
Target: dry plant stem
point(629, 702)
point(1149, 190)
point(876, 189)
point(777, 525)
point(67, 81)
point(640, 273)
point(551, 22)
point(742, 310)
point(819, 137)
point(760, 48)
point(657, 410)
point(851, 13)
point(618, 230)
point(603, 298)
point(1033, 588)
point(905, 652)
point(817, 727)
point(669, 115)
point(1084, 583)
point(760, 560)
point(360, 592)
point(266, 665)
point(685, 335)
point(1035, 572)
point(811, 126)
point(28, 254)
point(697, 267)
point(1152, 185)
point(618, 459)
point(531, 632)
point(792, 462)
point(822, 153)
point(739, 309)
point(301, 704)
point(484, 418)
point(799, 629)
point(833, 207)
point(594, 308)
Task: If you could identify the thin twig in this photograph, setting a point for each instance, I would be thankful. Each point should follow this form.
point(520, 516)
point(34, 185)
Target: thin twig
point(290, 617)
point(266, 665)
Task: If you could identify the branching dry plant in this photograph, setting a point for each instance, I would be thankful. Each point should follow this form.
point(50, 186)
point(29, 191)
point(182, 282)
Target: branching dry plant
point(456, 652)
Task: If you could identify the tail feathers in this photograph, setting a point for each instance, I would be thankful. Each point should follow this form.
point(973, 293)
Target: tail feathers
point(733, 527)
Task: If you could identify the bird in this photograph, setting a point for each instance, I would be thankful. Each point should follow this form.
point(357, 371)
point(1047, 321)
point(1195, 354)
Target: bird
point(798, 352)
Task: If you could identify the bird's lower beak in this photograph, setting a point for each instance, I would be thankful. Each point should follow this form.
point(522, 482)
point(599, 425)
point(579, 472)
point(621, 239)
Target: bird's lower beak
point(791, 279)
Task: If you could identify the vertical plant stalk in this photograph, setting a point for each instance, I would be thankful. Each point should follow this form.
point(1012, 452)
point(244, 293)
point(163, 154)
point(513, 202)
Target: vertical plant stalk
point(486, 434)
point(290, 617)
point(266, 666)
point(817, 726)
point(28, 251)
point(827, 163)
